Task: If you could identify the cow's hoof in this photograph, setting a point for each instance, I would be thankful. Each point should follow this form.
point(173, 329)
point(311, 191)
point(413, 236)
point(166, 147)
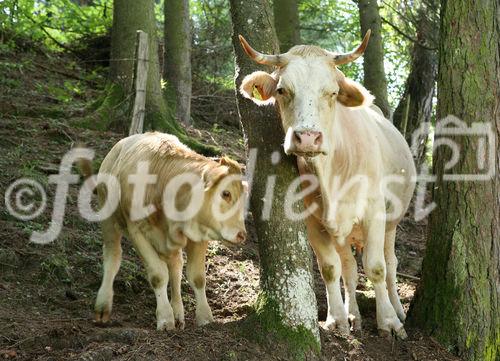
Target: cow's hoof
point(164, 325)
point(342, 327)
point(355, 323)
point(400, 334)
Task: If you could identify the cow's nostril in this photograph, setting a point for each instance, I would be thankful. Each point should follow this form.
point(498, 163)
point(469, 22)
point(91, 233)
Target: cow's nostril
point(297, 138)
point(241, 237)
point(319, 139)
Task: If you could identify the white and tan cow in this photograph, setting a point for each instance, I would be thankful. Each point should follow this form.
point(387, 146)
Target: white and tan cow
point(155, 160)
point(364, 168)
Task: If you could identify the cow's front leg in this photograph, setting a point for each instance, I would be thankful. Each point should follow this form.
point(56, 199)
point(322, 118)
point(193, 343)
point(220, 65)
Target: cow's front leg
point(375, 269)
point(195, 270)
point(330, 268)
point(350, 278)
point(174, 262)
point(157, 276)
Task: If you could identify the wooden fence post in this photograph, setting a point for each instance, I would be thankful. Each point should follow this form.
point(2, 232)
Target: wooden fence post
point(141, 77)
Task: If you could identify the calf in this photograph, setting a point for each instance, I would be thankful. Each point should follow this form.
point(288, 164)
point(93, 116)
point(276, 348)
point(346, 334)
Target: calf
point(156, 161)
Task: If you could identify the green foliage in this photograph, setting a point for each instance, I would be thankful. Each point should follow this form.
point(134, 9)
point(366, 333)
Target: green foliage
point(55, 22)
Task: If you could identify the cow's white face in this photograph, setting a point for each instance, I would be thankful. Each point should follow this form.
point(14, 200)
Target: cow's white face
point(307, 89)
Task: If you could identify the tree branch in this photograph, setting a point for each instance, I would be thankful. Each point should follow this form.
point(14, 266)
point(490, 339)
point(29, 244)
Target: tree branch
point(402, 33)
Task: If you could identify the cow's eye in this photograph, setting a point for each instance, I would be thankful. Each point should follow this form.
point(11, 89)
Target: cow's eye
point(281, 91)
point(226, 195)
point(333, 94)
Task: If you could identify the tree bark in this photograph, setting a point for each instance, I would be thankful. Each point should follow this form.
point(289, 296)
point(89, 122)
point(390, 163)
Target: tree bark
point(420, 86)
point(458, 298)
point(128, 17)
point(287, 303)
point(373, 61)
point(177, 67)
point(286, 20)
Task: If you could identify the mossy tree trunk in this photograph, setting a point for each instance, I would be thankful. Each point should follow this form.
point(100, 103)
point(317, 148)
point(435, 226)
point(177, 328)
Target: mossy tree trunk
point(286, 20)
point(287, 303)
point(177, 68)
point(373, 60)
point(458, 298)
point(420, 85)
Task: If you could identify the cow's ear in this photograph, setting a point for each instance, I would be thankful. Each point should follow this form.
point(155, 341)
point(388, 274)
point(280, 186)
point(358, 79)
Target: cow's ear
point(259, 86)
point(352, 94)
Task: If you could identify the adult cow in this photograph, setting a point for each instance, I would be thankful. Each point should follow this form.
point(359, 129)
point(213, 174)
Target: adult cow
point(363, 165)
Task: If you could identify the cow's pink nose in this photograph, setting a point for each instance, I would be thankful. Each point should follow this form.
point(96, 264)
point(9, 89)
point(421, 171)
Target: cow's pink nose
point(307, 139)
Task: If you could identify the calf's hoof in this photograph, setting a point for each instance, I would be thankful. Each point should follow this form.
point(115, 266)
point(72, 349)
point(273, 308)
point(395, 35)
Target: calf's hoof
point(102, 315)
point(203, 319)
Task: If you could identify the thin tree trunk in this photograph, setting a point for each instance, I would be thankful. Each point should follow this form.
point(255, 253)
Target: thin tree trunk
point(420, 85)
point(373, 61)
point(287, 303)
point(177, 67)
point(458, 299)
point(286, 20)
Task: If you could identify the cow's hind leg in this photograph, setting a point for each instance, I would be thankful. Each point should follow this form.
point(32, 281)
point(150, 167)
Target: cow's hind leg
point(392, 264)
point(330, 268)
point(112, 255)
point(375, 269)
point(174, 262)
point(350, 279)
point(157, 271)
point(195, 270)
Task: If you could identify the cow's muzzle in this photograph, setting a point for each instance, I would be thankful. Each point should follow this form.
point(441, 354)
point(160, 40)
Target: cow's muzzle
point(305, 143)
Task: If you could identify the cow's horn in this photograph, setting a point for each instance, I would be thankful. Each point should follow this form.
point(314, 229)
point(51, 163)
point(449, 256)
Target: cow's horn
point(276, 60)
point(340, 59)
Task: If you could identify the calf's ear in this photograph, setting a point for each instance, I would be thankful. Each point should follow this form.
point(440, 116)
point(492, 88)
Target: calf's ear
point(259, 86)
point(352, 94)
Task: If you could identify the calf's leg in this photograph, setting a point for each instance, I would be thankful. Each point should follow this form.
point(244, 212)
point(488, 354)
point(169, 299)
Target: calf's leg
point(330, 268)
point(112, 256)
point(157, 271)
point(174, 262)
point(195, 270)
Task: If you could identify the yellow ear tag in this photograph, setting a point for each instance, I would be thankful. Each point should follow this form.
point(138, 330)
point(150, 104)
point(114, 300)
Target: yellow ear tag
point(256, 94)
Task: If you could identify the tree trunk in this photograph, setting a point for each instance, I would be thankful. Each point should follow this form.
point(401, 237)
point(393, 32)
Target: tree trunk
point(128, 17)
point(177, 67)
point(458, 298)
point(286, 20)
point(373, 61)
point(287, 303)
point(420, 86)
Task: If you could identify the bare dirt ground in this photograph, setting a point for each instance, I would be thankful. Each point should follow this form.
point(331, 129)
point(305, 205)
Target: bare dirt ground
point(47, 291)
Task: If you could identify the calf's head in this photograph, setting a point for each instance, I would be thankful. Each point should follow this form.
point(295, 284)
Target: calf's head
point(306, 86)
point(224, 201)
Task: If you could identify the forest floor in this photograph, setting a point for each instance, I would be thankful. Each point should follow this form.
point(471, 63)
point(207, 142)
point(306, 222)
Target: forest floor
point(47, 291)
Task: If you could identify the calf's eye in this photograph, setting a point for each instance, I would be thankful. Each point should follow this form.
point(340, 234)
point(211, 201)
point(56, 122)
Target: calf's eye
point(280, 91)
point(226, 195)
